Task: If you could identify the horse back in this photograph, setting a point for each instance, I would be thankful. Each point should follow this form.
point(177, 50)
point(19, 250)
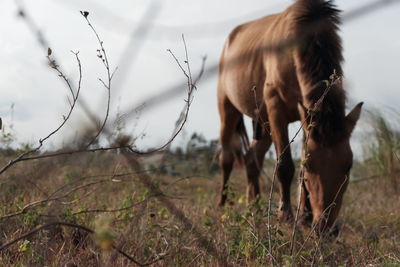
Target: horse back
point(250, 62)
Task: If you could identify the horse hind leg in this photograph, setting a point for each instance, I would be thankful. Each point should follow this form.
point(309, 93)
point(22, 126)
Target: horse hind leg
point(230, 145)
point(254, 163)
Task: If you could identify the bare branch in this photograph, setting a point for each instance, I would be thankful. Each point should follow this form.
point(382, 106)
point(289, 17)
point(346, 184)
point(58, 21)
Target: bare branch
point(53, 65)
point(102, 54)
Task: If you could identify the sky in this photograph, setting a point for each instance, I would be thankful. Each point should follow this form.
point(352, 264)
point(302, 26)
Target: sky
point(146, 69)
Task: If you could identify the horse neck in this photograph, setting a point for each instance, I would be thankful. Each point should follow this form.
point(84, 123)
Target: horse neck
point(318, 49)
point(327, 98)
point(323, 91)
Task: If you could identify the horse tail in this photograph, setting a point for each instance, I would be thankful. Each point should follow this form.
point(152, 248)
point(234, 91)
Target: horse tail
point(244, 142)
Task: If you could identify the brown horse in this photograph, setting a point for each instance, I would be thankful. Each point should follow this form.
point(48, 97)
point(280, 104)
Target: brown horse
point(274, 70)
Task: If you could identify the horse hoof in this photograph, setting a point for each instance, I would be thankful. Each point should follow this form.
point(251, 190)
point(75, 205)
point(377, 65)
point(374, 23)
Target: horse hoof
point(285, 217)
point(305, 220)
point(334, 232)
point(221, 204)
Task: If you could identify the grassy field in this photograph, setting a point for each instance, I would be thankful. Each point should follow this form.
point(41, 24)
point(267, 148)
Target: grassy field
point(168, 216)
point(111, 208)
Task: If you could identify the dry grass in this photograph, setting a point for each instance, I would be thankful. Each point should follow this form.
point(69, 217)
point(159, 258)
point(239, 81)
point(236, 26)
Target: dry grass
point(142, 225)
point(182, 226)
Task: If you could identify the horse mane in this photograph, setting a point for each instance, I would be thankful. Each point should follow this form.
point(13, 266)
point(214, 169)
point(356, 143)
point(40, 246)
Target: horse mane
point(318, 56)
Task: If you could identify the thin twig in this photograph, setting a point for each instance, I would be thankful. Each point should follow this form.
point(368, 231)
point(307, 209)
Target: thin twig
point(102, 54)
point(75, 96)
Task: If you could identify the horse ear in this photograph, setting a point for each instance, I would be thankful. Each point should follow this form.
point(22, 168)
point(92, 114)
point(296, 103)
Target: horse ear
point(303, 113)
point(352, 117)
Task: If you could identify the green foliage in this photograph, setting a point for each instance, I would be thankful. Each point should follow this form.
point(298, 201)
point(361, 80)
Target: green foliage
point(26, 247)
point(7, 135)
point(386, 142)
point(197, 157)
point(67, 215)
point(208, 221)
point(383, 147)
point(68, 178)
point(127, 201)
point(30, 218)
point(142, 195)
point(24, 147)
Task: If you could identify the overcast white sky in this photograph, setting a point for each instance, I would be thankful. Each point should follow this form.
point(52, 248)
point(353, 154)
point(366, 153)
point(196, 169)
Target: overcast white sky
point(371, 49)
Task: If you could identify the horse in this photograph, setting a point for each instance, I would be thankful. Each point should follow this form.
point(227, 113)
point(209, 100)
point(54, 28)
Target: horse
point(276, 70)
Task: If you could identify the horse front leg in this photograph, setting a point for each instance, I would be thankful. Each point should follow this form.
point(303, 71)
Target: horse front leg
point(285, 166)
point(305, 212)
